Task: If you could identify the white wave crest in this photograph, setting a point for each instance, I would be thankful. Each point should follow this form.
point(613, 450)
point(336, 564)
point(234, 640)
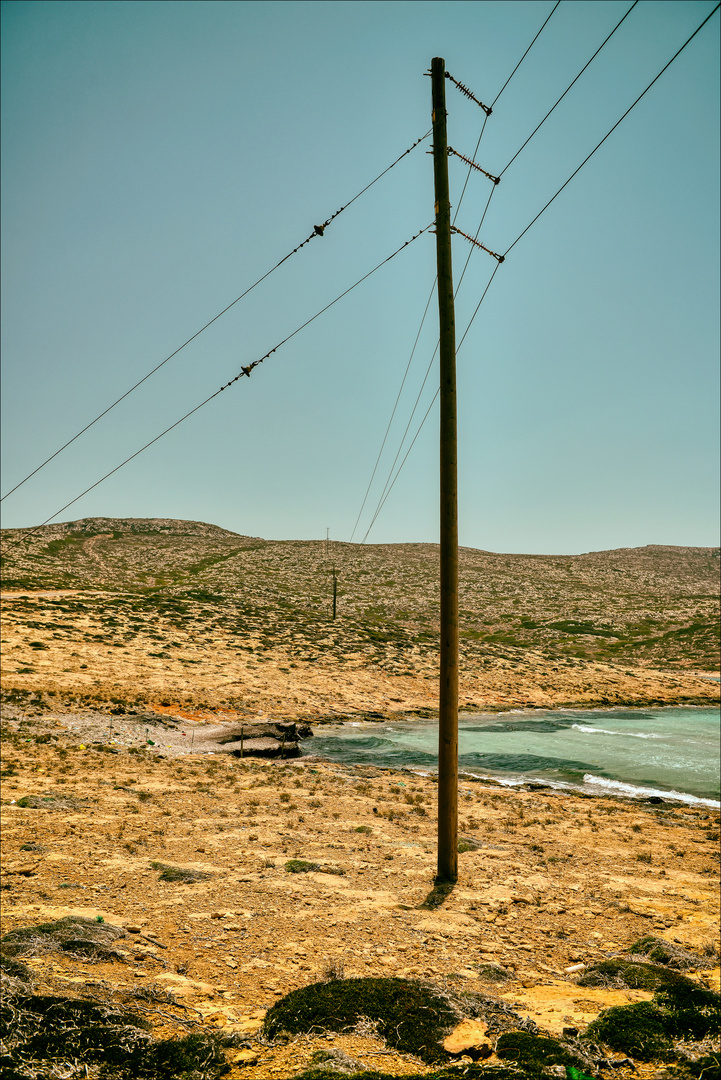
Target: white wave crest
point(618, 788)
point(603, 731)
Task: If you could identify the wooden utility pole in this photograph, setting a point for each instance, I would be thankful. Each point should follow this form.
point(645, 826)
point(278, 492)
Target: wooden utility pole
point(448, 698)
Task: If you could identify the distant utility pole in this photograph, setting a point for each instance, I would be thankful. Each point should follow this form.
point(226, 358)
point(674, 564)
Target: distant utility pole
point(448, 697)
point(335, 577)
point(335, 590)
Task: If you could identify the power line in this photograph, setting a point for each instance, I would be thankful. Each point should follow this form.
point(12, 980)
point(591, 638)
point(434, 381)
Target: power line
point(318, 230)
point(393, 413)
point(553, 9)
point(572, 83)
point(246, 370)
point(471, 165)
point(390, 482)
point(390, 486)
point(611, 130)
point(385, 494)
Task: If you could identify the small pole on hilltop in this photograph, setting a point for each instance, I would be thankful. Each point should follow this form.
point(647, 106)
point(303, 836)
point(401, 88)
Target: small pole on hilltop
point(448, 691)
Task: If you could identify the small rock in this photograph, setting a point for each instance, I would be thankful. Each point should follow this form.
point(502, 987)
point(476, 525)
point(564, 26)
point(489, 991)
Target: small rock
point(468, 1035)
point(217, 915)
point(133, 929)
point(245, 1057)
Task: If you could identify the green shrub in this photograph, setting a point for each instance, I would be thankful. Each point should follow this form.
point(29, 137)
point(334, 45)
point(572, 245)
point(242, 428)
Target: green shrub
point(412, 1018)
point(640, 1030)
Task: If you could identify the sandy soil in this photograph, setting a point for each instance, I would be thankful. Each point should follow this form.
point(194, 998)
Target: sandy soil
point(46, 649)
point(554, 881)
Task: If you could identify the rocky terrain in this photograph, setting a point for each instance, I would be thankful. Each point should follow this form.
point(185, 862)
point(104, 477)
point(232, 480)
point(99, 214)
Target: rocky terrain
point(208, 888)
point(174, 909)
point(187, 614)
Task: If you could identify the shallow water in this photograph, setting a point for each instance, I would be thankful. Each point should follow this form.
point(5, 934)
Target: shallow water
point(673, 753)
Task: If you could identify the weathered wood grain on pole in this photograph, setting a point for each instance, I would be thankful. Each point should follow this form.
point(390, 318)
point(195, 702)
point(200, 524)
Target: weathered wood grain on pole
point(448, 699)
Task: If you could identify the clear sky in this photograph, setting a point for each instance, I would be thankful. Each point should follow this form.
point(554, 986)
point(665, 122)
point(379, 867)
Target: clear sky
point(159, 157)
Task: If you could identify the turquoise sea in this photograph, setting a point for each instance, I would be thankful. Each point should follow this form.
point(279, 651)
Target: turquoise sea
point(672, 753)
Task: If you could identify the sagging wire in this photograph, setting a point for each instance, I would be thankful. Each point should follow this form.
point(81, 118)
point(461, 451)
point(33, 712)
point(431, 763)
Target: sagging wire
point(386, 490)
point(318, 230)
point(244, 371)
point(393, 413)
point(390, 483)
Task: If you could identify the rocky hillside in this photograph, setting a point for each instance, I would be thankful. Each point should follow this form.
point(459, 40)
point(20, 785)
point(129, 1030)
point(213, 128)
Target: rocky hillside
point(157, 588)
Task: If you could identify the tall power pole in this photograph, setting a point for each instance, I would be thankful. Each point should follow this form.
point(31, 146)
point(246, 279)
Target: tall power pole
point(448, 698)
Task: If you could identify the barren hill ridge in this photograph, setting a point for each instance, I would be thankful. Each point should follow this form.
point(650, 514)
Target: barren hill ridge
point(535, 629)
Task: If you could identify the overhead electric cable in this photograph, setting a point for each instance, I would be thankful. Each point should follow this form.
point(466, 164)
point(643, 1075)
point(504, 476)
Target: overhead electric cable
point(390, 488)
point(390, 482)
point(560, 99)
point(611, 130)
point(553, 9)
point(245, 370)
point(393, 413)
point(390, 485)
point(455, 216)
point(318, 230)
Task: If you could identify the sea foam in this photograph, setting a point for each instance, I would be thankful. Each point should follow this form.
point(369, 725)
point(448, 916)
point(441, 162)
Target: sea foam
point(618, 788)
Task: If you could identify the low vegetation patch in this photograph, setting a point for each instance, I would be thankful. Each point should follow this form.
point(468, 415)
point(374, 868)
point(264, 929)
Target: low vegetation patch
point(301, 866)
point(632, 974)
point(534, 1053)
point(681, 1011)
point(659, 951)
point(411, 1017)
point(50, 800)
point(179, 874)
point(41, 1034)
point(87, 938)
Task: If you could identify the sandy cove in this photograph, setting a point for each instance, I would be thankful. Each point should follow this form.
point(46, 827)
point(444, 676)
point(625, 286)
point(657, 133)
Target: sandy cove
point(551, 880)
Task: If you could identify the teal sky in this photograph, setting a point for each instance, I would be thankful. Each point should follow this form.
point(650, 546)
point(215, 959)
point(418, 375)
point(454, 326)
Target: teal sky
point(159, 157)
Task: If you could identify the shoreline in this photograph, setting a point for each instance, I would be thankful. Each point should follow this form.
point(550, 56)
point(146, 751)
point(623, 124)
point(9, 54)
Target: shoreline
point(189, 736)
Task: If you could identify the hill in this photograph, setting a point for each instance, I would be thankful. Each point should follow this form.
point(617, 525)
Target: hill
point(189, 613)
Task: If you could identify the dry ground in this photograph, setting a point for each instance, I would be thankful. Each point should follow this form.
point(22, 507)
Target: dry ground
point(99, 647)
point(555, 880)
point(190, 614)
